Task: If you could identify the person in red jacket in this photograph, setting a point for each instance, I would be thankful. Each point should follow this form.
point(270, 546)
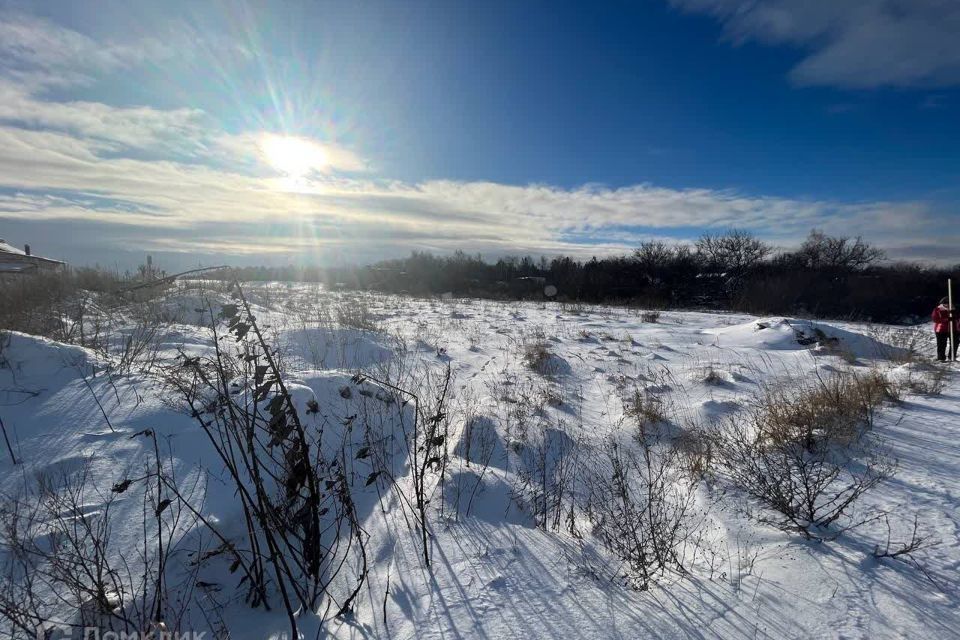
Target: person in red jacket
point(942, 317)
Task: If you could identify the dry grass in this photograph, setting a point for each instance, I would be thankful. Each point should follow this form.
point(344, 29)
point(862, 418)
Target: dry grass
point(802, 450)
point(834, 409)
point(931, 384)
point(900, 344)
point(713, 376)
point(536, 353)
point(696, 451)
point(924, 380)
point(536, 356)
point(353, 312)
point(646, 410)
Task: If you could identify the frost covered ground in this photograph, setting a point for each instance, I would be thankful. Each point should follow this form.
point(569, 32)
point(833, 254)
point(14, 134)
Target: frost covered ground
point(538, 394)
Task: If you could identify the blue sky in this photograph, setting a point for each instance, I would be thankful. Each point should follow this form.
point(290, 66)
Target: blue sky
point(344, 132)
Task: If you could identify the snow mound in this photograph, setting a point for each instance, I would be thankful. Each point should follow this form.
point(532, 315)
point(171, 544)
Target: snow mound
point(191, 308)
point(778, 334)
point(341, 348)
point(714, 375)
point(481, 444)
point(38, 364)
point(714, 410)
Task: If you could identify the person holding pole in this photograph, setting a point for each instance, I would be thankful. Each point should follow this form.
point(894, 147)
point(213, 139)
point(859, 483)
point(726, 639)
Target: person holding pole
point(946, 326)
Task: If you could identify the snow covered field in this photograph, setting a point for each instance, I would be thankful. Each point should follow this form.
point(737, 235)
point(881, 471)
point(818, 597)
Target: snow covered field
point(539, 394)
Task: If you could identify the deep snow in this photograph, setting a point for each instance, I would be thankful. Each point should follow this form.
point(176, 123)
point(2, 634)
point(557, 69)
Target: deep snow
point(494, 574)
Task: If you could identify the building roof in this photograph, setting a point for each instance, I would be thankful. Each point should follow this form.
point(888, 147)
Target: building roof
point(9, 248)
point(8, 251)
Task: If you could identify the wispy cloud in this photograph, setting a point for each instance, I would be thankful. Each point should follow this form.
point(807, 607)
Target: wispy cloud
point(175, 180)
point(851, 43)
point(41, 54)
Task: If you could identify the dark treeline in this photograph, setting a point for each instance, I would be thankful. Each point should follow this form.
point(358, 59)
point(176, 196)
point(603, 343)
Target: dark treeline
point(825, 277)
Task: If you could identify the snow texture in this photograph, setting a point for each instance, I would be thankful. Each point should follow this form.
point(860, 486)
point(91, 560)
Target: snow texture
point(495, 574)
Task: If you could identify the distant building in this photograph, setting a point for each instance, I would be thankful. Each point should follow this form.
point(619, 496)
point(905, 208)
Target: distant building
point(527, 286)
point(15, 261)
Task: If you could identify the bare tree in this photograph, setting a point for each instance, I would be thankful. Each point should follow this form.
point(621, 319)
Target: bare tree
point(735, 251)
point(653, 255)
point(820, 251)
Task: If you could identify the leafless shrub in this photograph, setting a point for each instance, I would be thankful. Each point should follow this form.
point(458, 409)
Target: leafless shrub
point(846, 355)
point(641, 508)
point(475, 451)
point(41, 304)
point(82, 307)
point(794, 452)
point(546, 477)
point(536, 356)
point(904, 548)
point(426, 440)
point(353, 312)
point(646, 410)
point(696, 450)
point(924, 380)
point(296, 497)
point(649, 316)
point(136, 347)
point(873, 388)
point(740, 561)
point(63, 567)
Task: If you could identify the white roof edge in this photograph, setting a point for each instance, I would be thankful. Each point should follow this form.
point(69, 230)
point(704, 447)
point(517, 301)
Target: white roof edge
point(6, 247)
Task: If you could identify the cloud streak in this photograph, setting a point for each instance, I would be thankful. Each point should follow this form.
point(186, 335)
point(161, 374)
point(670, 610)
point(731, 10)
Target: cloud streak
point(852, 43)
point(174, 180)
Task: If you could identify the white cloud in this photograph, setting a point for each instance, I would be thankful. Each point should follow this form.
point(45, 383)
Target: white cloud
point(41, 54)
point(132, 127)
point(851, 43)
point(173, 180)
point(183, 205)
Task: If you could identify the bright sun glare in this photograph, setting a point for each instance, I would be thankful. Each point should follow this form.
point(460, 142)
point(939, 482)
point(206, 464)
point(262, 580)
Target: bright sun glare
point(292, 156)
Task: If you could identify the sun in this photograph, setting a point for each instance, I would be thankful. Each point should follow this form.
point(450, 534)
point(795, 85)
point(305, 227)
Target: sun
point(294, 157)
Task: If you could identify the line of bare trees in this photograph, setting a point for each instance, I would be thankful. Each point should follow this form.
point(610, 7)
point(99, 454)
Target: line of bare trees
point(830, 276)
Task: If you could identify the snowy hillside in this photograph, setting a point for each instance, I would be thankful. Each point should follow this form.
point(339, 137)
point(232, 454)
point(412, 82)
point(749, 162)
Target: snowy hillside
point(581, 472)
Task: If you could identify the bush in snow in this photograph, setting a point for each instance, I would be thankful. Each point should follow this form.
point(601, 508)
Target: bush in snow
point(646, 410)
point(921, 379)
point(713, 376)
point(295, 493)
point(900, 344)
point(354, 313)
point(536, 354)
point(806, 453)
point(546, 477)
point(696, 451)
point(67, 565)
point(641, 508)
